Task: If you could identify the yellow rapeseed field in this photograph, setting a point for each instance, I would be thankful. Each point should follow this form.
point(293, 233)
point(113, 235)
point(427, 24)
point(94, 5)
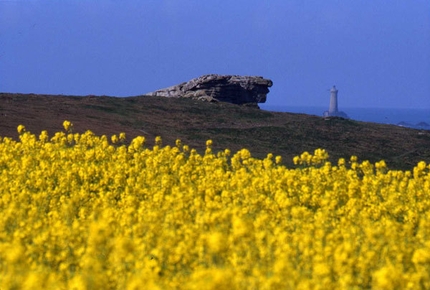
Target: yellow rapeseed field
point(79, 211)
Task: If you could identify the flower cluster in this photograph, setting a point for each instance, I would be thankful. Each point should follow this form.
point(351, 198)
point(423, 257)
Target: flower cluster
point(80, 211)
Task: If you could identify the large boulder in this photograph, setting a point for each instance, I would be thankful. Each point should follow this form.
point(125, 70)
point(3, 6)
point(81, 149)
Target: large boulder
point(224, 88)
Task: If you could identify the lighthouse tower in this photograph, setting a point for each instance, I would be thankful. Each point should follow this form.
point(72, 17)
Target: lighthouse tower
point(332, 109)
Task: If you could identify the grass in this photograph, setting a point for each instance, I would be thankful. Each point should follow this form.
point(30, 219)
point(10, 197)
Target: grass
point(228, 125)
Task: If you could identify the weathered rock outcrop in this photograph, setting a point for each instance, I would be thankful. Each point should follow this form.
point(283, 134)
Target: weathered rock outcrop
point(224, 88)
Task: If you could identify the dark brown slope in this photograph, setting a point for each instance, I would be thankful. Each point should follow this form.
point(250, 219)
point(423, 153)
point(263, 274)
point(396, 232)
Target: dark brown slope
point(229, 126)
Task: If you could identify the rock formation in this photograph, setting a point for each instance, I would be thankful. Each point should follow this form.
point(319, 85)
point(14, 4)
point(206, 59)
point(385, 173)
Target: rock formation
point(224, 88)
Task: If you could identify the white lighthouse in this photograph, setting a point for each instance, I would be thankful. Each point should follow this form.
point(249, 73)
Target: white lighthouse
point(333, 110)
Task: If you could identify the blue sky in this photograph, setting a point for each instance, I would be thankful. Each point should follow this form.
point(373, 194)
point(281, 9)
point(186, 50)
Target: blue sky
point(376, 52)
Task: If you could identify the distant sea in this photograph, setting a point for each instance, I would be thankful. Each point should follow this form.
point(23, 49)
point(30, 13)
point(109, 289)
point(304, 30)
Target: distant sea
point(415, 118)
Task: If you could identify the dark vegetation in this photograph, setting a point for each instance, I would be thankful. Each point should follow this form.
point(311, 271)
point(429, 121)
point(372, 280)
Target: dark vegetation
point(229, 126)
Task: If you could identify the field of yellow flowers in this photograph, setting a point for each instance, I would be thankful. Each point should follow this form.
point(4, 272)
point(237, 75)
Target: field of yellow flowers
point(79, 211)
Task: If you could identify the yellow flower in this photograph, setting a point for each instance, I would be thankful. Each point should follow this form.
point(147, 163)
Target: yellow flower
point(67, 126)
point(78, 212)
point(114, 139)
point(158, 141)
point(21, 129)
point(217, 242)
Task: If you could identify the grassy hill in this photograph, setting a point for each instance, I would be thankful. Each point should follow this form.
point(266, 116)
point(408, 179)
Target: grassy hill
point(229, 126)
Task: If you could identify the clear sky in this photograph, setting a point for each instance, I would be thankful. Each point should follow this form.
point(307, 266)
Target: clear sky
point(376, 52)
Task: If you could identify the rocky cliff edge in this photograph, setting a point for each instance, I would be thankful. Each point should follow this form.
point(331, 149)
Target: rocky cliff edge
point(224, 88)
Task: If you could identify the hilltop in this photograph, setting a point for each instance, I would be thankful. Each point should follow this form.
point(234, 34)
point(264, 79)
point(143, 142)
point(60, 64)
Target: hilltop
point(228, 125)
